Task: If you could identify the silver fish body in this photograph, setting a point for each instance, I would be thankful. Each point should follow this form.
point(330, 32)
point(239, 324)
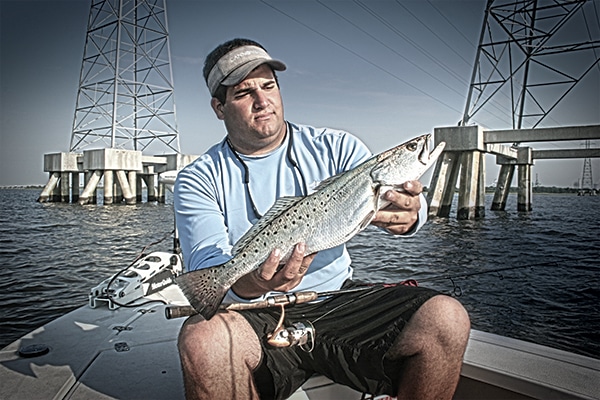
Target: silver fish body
point(340, 207)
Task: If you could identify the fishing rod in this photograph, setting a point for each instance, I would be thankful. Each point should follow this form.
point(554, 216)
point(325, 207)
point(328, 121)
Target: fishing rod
point(175, 311)
point(277, 300)
point(489, 271)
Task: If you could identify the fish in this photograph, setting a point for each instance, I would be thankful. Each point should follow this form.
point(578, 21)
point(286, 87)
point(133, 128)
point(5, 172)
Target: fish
point(339, 208)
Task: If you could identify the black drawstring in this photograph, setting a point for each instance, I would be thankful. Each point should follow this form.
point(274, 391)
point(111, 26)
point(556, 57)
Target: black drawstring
point(247, 171)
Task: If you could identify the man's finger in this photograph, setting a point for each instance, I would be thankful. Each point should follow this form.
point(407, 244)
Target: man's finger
point(266, 271)
point(413, 187)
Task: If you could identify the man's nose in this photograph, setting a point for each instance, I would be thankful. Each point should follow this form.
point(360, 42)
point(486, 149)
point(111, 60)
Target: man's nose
point(260, 99)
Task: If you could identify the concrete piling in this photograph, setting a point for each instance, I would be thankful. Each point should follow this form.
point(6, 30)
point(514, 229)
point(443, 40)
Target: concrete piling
point(505, 177)
point(109, 187)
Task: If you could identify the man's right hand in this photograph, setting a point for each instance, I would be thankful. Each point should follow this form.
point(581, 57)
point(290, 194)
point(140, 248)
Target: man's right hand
point(272, 276)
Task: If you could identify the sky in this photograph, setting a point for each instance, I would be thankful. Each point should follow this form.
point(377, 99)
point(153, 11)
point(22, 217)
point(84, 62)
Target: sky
point(385, 70)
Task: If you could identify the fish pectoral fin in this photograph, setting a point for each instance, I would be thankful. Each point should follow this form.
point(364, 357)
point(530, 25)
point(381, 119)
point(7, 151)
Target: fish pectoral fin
point(366, 221)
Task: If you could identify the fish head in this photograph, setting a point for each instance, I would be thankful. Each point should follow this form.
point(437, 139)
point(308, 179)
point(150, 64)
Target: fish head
point(405, 162)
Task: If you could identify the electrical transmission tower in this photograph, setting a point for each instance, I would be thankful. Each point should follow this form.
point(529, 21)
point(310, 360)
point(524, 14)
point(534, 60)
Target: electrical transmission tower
point(125, 98)
point(531, 54)
point(587, 183)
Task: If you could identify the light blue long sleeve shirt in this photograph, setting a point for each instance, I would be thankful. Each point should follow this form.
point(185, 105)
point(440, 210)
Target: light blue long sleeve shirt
point(213, 206)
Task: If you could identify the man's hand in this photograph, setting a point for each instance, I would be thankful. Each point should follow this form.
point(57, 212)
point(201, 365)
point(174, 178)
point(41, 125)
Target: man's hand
point(273, 276)
point(401, 215)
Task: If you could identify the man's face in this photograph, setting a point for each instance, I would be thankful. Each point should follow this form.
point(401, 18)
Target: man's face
point(253, 112)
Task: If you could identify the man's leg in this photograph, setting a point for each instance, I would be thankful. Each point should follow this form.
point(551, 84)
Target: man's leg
point(218, 357)
point(434, 340)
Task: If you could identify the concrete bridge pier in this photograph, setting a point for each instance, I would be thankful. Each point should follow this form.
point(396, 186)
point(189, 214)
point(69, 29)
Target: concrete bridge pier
point(443, 182)
point(138, 188)
point(505, 177)
point(125, 188)
point(463, 156)
point(48, 190)
point(109, 187)
point(89, 191)
point(123, 172)
point(471, 193)
point(75, 187)
point(108, 163)
point(150, 181)
point(523, 162)
point(59, 166)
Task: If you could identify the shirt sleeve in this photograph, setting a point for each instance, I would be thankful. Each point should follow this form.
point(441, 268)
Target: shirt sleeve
point(422, 218)
point(200, 222)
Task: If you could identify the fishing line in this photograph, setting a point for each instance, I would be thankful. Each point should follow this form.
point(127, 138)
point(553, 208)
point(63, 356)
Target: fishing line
point(457, 290)
point(367, 289)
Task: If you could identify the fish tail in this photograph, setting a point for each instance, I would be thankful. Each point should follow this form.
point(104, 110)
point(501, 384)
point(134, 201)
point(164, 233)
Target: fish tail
point(203, 290)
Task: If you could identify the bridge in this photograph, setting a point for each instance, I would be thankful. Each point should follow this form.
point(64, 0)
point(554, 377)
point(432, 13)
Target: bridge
point(463, 157)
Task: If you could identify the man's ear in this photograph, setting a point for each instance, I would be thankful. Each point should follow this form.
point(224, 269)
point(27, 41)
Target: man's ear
point(217, 107)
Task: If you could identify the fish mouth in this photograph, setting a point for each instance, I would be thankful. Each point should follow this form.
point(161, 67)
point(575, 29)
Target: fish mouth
point(424, 154)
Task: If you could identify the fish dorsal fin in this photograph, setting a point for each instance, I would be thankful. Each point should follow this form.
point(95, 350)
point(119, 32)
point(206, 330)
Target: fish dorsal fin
point(326, 182)
point(280, 206)
point(354, 171)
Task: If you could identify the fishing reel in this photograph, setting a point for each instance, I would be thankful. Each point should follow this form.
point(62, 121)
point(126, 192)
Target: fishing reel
point(298, 334)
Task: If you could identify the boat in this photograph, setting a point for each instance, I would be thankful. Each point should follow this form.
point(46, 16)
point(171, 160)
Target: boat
point(110, 350)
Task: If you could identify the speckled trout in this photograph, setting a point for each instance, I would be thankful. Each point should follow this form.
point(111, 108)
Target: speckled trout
point(338, 209)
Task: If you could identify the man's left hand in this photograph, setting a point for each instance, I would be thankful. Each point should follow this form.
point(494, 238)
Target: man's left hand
point(402, 214)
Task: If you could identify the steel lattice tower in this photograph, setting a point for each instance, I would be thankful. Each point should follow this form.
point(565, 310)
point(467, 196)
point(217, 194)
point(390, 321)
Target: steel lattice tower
point(586, 178)
point(526, 57)
point(126, 96)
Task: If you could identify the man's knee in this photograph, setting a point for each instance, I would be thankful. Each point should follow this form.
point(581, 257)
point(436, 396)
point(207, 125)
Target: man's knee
point(226, 336)
point(440, 323)
point(446, 318)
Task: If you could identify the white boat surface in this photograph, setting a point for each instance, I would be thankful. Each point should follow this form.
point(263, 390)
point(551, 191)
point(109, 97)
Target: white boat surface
point(131, 353)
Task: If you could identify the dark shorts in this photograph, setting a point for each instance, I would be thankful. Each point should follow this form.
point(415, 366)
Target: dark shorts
point(353, 332)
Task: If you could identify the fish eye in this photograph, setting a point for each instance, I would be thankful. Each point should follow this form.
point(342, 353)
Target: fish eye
point(411, 146)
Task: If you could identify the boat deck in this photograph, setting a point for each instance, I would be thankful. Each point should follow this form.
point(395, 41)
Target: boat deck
point(131, 353)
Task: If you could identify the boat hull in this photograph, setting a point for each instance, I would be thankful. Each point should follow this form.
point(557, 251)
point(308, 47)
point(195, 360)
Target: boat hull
point(131, 353)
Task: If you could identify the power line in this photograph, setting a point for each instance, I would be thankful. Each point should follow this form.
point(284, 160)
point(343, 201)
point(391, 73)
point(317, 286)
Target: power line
point(389, 48)
point(441, 39)
point(362, 57)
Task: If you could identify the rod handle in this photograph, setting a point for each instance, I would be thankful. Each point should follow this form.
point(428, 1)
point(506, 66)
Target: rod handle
point(179, 311)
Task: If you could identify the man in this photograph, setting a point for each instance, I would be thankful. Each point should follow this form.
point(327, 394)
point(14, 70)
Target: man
point(402, 341)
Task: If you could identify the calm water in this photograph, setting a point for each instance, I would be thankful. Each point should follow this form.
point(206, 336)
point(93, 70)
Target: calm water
point(52, 254)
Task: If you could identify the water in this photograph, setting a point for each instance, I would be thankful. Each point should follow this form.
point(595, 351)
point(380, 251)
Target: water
point(52, 254)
